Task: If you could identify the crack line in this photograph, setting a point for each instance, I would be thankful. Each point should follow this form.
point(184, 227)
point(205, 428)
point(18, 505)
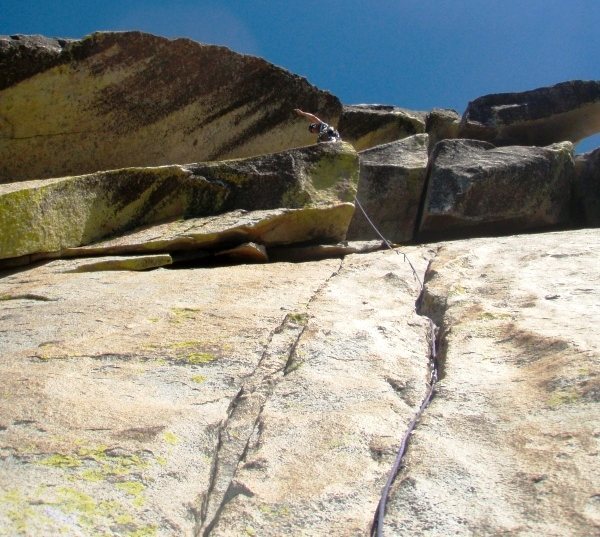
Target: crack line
point(244, 414)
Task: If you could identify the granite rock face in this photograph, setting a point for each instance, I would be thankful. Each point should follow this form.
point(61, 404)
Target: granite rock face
point(53, 214)
point(114, 100)
point(476, 188)
point(272, 399)
point(392, 180)
point(509, 443)
point(160, 377)
point(369, 125)
point(569, 111)
point(265, 399)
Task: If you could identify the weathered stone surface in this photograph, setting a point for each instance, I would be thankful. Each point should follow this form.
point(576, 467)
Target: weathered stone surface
point(265, 398)
point(324, 251)
point(587, 188)
point(137, 262)
point(53, 214)
point(509, 444)
point(392, 180)
point(476, 188)
point(565, 111)
point(275, 227)
point(442, 124)
point(368, 125)
point(114, 100)
point(321, 173)
point(271, 399)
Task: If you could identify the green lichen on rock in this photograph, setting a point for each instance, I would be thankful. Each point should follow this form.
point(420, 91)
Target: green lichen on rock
point(334, 176)
point(197, 358)
point(73, 499)
point(323, 224)
point(52, 214)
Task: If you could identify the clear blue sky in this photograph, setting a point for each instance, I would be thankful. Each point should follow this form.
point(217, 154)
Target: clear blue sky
point(417, 54)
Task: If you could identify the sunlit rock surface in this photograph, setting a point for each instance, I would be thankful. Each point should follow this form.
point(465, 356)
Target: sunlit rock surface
point(122, 99)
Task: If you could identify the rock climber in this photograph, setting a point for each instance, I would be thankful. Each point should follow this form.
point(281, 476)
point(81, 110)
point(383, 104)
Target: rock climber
point(324, 132)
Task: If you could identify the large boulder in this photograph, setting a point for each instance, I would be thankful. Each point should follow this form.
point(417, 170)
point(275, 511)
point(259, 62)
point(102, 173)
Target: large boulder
point(475, 188)
point(369, 125)
point(442, 124)
point(392, 180)
point(115, 100)
point(52, 214)
point(565, 111)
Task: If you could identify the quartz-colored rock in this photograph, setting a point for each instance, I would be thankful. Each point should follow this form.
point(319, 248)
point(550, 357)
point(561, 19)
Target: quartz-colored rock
point(256, 398)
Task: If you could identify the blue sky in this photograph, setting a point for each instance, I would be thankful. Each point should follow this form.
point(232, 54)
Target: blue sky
point(417, 54)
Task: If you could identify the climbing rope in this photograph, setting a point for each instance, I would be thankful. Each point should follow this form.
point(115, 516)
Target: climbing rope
point(377, 526)
point(388, 243)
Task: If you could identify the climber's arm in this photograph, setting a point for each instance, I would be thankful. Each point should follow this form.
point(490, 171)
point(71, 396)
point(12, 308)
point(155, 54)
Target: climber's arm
point(311, 117)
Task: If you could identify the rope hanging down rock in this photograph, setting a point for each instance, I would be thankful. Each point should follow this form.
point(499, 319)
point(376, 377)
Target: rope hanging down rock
point(377, 526)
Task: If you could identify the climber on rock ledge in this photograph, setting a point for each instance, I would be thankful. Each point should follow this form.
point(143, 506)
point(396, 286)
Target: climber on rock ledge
point(324, 132)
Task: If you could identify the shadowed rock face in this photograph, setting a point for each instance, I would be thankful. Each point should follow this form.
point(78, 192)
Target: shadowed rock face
point(587, 188)
point(126, 99)
point(22, 56)
point(566, 111)
point(369, 125)
point(475, 188)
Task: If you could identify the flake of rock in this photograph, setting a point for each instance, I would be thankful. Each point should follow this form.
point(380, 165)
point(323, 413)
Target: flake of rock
point(249, 252)
point(324, 251)
point(369, 125)
point(270, 228)
point(137, 262)
point(122, 99)
point(566, 111)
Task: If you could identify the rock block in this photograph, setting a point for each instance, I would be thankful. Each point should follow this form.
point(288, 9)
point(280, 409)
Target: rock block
point(475, 188)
